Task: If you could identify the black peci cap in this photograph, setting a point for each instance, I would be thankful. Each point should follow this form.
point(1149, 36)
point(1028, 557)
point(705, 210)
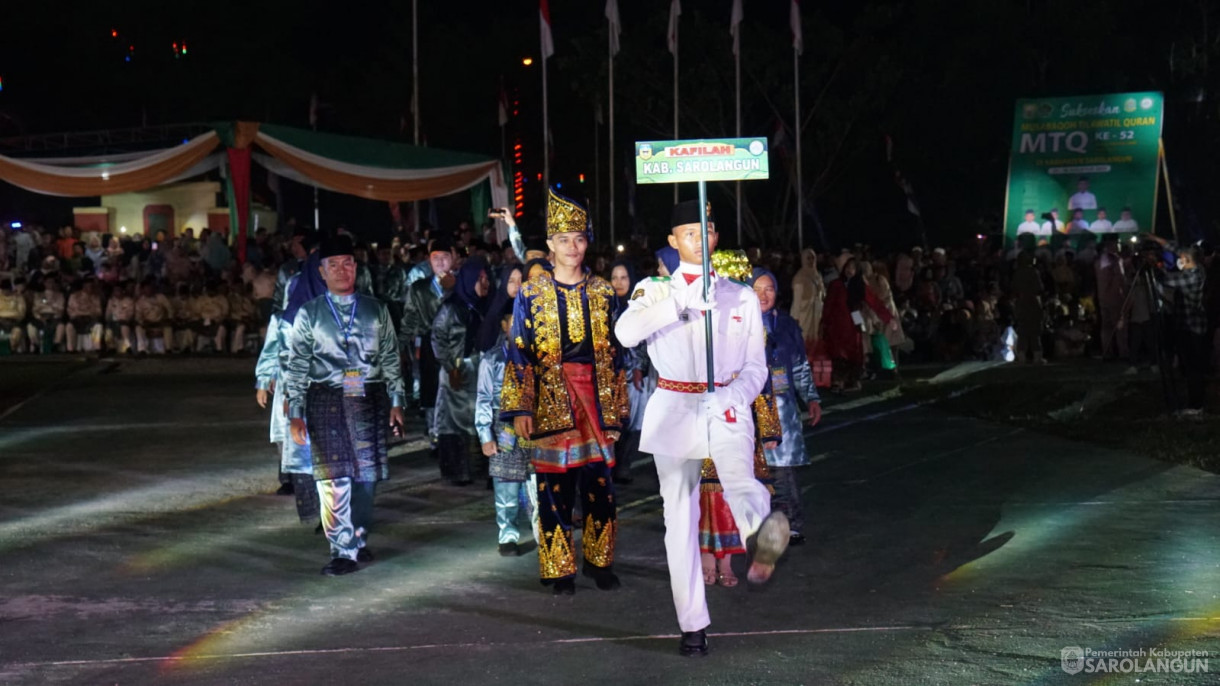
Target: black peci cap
point(688, 213)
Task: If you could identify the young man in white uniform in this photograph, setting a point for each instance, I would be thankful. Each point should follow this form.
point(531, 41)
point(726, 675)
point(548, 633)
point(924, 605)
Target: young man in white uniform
point(1125, 223)
point(1101, 224)
point(1083, 198)
point(684, 424)
point(1053, 225)
point(1030, 225)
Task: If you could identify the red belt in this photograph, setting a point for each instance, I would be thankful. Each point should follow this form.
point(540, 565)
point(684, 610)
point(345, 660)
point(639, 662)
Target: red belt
point(684, 386)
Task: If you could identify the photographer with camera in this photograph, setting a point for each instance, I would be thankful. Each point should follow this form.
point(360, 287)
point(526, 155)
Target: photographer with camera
point(1140, 316)
point(1190, 320)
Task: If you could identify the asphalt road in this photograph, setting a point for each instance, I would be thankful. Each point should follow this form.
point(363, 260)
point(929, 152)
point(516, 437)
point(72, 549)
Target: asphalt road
point(140, 543)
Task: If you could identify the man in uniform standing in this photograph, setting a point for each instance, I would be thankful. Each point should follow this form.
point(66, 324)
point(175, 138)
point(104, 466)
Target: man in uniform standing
point(302, 241)
point(565, 390)
point(423, 300)
point(344, 387)
point(683, 423)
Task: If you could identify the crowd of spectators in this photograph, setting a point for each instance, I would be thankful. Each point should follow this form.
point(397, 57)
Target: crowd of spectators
point(863, 311)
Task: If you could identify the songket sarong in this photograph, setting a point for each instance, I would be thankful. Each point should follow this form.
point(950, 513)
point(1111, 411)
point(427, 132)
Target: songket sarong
point(584, 442)
point(718, 533)
point(348, 435)
point(511, 461)
point(575, 461)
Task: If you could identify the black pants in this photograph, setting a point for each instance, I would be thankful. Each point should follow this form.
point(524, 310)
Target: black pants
point(556, 498)
point(787, 497)
point(1192, 351)
point(624, 453)
point(429, 374)
point(1142, 343)
point(454, 451)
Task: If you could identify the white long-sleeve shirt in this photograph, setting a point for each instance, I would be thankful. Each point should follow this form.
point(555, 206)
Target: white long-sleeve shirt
point(677, 348)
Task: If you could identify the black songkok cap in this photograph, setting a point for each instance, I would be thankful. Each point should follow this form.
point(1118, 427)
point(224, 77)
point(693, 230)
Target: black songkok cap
point(333, 246)
point(441, 244)
point(688, 213)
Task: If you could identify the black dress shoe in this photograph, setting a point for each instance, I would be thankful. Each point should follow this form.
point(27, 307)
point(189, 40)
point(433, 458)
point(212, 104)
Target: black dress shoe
point(693, 644)
point(508, 549)
point(318, 529)
point(364, 556)
point(286, 489)
point(605, 579)
point(340, 566)
point(796, 538)
point(564, 587)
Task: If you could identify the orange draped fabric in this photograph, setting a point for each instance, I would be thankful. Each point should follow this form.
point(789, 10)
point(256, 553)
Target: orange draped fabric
point(101, 181)
point(401, 190)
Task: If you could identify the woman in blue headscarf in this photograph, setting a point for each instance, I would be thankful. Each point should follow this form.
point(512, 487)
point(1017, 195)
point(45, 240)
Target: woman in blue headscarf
point(791, 378)
point(667, 261)
point(640, 385)
point(454, 334)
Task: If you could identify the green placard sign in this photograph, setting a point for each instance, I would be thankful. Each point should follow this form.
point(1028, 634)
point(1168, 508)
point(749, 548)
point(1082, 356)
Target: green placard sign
point(1083, 165)
point(724, 159)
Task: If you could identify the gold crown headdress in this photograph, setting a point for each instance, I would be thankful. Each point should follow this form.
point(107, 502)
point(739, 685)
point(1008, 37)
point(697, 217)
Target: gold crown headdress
point(564, 215)
point(733, 264)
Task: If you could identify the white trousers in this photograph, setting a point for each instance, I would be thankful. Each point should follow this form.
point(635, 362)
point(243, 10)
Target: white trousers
point(732, 448)
point(347, 514)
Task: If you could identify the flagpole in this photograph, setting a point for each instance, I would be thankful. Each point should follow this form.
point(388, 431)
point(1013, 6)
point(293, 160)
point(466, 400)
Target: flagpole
point(737, 64)
point(610, 152)
point(597, 163)
point(415, 92)
point(800, 219)
point(503, 125)
point(675, 21)
point(317, 221)
point(675, 97)
point(546, 139)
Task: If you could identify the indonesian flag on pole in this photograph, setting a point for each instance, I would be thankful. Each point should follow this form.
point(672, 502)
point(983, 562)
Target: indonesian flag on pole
point(615, 26)
point(544, 17)
point(675, 11)
point(794, 18)
point(503, 106)
point(735, 25)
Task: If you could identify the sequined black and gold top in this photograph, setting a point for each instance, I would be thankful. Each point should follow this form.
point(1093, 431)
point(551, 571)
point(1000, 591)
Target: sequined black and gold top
point(554, 323)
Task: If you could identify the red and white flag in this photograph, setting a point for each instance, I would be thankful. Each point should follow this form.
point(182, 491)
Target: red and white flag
point(503, 106)
point(735, 25)
point(544, 17)
point(675, 11)
point(615, 26)
point(794, 19)
point(907, 189)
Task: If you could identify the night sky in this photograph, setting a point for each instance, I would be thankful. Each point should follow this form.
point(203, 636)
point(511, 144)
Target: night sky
point(938, 75)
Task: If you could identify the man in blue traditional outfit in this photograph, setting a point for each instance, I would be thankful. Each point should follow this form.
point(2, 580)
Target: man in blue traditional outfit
point(296, 463)
point(345, 389)
point(565, 390)
point(423, 300)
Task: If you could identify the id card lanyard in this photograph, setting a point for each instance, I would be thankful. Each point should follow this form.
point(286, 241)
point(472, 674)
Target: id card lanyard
point(351, 322)
point(353, 379)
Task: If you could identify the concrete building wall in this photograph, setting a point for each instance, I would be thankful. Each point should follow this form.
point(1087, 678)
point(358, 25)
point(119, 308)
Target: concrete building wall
point(190, 203)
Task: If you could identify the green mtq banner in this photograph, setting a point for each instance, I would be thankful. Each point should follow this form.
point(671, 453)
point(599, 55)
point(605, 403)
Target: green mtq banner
point(1083, 165)
point(726, 159)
